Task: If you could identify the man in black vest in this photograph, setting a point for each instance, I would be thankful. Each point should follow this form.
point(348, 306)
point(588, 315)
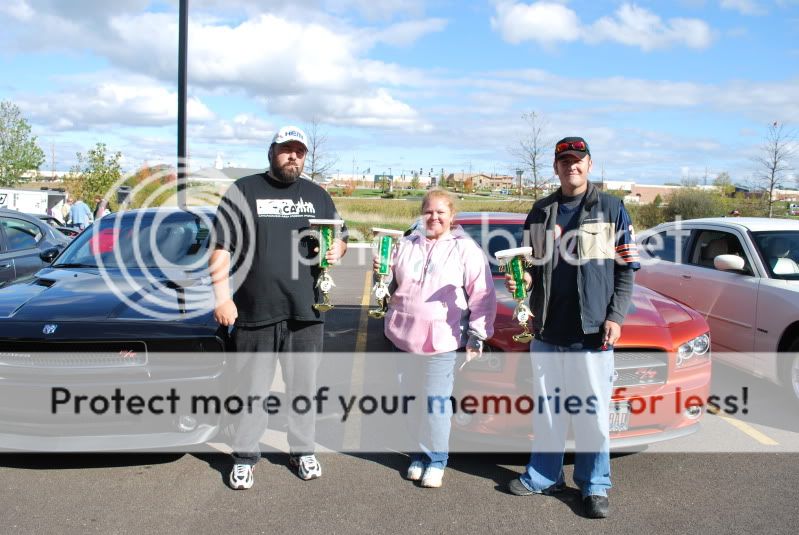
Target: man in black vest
point(581, 285)
point(261, 232)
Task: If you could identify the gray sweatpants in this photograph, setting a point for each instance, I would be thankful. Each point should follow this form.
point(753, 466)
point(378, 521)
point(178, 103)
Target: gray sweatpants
point(298, 346)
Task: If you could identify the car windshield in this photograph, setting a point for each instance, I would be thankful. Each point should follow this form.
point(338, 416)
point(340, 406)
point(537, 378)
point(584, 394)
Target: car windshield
point(144, 240)
point(780, 251)
point(495, 237)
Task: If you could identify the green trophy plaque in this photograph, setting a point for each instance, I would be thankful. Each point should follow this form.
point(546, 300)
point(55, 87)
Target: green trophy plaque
point(326, 230)
point(384, 243)
point(514, 261)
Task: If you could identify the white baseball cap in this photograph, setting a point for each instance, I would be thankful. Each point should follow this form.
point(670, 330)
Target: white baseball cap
point(290, 133)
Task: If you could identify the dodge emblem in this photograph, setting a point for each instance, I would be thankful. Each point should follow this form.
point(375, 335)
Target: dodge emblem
point(49, 328)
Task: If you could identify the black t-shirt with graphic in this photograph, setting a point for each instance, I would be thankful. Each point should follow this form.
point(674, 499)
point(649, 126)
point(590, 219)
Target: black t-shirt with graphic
point(279, 283)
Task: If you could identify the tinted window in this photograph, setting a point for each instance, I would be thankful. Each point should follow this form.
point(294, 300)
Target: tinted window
point(20, 234)
point(663, 246)
point(780, 252)
point(178, 240)
point(711, 243)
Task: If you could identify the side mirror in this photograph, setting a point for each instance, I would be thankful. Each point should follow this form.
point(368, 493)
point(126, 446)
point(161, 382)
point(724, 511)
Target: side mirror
point(728, 262)
point(48, 255)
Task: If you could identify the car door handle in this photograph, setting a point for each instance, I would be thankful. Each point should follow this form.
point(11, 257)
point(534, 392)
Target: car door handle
point(686, 277)
point(5, 266)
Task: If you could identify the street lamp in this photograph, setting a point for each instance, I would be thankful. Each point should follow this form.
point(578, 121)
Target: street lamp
point(519, 173)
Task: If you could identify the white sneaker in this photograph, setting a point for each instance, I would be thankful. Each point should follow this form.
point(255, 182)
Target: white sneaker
point(432, 477)
point(241, 477)
point(415, 470)
point(307, 466)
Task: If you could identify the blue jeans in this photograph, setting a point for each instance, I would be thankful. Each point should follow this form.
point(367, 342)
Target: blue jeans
point(430, 379)
point(560, 372)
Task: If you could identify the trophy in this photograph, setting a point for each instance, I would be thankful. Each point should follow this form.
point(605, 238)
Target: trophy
point(514, 261)
point(384, 243)
point(326, 231)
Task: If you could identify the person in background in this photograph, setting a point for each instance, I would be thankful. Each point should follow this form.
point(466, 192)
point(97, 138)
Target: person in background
point(80, 216)
point(100, 207)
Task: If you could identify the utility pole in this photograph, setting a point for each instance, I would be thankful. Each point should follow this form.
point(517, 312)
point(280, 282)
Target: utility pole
point(183, 41)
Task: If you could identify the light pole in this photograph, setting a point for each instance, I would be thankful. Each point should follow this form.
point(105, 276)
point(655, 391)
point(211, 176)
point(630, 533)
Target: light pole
point(519, 173)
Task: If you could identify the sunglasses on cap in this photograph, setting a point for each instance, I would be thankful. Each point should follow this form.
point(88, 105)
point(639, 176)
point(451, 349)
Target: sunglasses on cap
point(579, 146)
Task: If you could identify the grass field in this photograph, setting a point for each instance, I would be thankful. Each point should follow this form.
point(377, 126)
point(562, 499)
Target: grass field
point(363, 214)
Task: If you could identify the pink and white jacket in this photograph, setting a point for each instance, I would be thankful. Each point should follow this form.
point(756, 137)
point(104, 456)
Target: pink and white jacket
point(442, 294)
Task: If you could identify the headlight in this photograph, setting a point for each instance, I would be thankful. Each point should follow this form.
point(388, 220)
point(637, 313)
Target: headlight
point(701, 344)
point(694, 351)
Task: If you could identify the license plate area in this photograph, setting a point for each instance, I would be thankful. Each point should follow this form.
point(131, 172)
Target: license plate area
point(619, 416)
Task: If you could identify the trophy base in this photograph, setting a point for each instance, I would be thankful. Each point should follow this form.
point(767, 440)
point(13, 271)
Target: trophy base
point(522, 338)
point(322, 307)
point(377, 313)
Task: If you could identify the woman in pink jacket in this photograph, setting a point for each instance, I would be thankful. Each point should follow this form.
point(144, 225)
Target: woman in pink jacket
point(442, 300)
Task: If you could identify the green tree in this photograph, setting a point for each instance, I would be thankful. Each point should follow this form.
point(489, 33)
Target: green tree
point(724, 183)
point(95, 173)
point(690, 203)
point(648, 215)
point(18, 149)
point(415, 181)
point(154, 186)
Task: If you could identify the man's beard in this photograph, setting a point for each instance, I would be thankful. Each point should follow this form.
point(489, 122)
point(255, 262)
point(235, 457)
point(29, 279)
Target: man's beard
point(287, 174)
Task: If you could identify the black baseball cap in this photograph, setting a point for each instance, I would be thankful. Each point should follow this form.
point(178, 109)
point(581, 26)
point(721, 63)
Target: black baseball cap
point(572, 145)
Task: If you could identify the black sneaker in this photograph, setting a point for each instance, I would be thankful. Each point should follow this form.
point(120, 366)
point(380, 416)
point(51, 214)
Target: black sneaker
point(518, 488)
point(595, 506)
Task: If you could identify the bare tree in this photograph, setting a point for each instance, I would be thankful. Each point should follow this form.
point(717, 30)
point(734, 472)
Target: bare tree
point(320, 162)
point(534, 151)
point(774, 162)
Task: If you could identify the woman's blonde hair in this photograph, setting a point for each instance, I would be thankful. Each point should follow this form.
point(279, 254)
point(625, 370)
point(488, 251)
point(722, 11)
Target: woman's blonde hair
point(438, 193)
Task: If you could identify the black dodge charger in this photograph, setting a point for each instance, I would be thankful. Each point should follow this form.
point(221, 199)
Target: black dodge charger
point(107, 347)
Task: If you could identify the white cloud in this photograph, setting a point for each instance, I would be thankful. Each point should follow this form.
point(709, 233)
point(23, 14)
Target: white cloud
point(407, 33)
point(266, 56)
point(544, 22)
point(19, 10)
point(379, 109)
point(635, 26)
point(753, 99)
point(111, 103)
point(745, 7)
point(243, 129)
point(547, 23)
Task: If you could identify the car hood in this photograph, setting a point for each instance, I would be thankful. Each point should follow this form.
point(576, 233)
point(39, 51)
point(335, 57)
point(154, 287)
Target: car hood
point(648, 308)
point(86, 295)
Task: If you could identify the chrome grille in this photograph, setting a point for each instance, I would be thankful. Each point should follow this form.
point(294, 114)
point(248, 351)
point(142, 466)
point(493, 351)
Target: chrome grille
point(73, 354)
point(635, 368)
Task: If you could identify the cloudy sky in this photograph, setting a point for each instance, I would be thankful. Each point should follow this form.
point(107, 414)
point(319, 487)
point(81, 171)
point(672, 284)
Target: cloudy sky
point(663, 90)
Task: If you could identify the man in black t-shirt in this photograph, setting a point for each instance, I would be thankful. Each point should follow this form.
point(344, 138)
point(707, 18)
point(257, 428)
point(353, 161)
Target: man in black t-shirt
point(262, 233)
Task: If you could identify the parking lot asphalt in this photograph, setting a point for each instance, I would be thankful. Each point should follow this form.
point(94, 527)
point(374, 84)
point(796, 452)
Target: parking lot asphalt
point(738, 474)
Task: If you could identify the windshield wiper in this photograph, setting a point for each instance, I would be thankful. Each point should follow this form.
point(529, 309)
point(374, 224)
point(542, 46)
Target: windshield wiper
point(73, 265)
